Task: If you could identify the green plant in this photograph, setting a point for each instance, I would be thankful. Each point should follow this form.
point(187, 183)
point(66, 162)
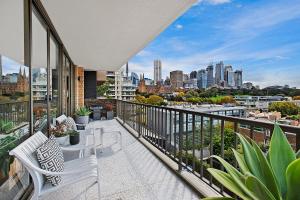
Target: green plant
point(102, 89)
point(286, 108)
point(83, 111)
point(271, 176)
point(6, 126)
point(72, 133)
point(6, 144)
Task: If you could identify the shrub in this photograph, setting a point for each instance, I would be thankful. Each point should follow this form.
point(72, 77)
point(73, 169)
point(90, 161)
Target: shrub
point(285, 108)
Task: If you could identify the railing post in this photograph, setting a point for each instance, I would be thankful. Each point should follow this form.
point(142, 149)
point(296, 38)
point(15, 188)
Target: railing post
point(297, 141)
point(180, 140)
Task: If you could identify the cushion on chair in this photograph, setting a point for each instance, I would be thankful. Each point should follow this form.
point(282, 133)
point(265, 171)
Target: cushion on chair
point(50, 157)
point(61, 119)
point(70, 124)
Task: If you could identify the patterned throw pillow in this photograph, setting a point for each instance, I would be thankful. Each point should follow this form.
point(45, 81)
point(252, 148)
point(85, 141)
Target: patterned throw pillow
point(70, 124)
point(50, 157)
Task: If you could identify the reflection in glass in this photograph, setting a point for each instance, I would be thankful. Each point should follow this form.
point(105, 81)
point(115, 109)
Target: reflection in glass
point(39, 75)
point(14, 124)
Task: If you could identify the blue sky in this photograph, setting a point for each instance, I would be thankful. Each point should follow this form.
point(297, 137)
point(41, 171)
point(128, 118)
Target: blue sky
point(261, 37)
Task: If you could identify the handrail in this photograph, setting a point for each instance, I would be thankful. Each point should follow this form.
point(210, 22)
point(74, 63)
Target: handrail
point(251, 122)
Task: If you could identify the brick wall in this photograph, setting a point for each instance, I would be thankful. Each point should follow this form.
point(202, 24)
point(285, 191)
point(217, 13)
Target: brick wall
point(79, 87)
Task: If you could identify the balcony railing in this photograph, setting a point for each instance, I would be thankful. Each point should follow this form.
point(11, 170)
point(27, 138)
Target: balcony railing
point(15, 112)
point(190, 137)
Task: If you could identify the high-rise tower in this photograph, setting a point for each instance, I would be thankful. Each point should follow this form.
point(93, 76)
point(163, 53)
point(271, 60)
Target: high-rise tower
point(219, 75)
point(157, 71)
point(210, 75)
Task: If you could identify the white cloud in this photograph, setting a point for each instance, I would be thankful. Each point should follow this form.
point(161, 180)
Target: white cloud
point(213, 2)
point(179, 26)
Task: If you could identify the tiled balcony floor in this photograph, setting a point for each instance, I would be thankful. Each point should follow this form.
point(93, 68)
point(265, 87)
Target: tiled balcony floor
point(130, 173)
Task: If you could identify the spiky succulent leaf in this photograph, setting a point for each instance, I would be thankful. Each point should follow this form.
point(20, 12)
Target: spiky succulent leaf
point(281, 155)
point(226, 180)
point(250, 157)
point(241, 161)
point(236, 176)
point(268, 176)
point(258, 188)
point(293, 180)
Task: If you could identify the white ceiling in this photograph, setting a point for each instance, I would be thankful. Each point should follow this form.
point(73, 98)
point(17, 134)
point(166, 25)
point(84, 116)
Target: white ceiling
point(105, 34)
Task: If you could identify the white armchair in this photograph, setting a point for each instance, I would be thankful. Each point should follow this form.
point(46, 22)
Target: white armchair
point(74, 171)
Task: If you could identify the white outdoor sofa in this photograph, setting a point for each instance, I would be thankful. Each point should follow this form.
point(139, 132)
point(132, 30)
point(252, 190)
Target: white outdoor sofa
point(74, 171)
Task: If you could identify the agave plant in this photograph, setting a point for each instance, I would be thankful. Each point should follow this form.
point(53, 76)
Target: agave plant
point(83, 111)
point(271, 176)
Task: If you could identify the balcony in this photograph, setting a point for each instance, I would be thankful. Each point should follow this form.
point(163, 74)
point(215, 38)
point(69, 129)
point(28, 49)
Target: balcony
point(132, 172)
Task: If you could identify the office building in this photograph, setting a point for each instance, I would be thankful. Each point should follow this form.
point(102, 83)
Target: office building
point(202, 79)
point(157, 71)
point(176, 78)
point(219, 75)
point(210, 75)
point(193, 74)
point(238, 78)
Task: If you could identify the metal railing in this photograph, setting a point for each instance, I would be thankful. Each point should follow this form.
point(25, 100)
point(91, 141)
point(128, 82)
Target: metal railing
point(15, 111)
point(190, 137)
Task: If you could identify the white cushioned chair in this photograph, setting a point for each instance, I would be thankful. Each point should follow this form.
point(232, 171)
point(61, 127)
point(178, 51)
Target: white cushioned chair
point(74, 171)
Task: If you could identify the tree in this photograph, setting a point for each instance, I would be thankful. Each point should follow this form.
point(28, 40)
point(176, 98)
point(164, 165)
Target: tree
point(285, 108)
point(296, 97)
point(155, 100)
point(102, 89)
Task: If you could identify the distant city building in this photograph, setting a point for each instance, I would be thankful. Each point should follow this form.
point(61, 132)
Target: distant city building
point(210, 75)
point(120, 85)
point(193, 74)
point(191, 84)
point(167, 81)
point(202, 79)
point(176, 78)
point(238, 78)
point(134, 78)
point(154, 89)
point(149, 81)
point(247, 85)
point(9, 86)
point(219, 75)
point(186, 77)
point(258, 102)
point(157, 71)
point(39, 84)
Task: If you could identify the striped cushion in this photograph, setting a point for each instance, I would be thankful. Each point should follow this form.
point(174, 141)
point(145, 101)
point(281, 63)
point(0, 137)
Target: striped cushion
point(50, 157)
point(70, 124)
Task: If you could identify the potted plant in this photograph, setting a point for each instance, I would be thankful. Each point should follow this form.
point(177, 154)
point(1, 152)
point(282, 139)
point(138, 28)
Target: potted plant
point(74, 137)
point(82, 115)
point(109, 111)
point(60, 134)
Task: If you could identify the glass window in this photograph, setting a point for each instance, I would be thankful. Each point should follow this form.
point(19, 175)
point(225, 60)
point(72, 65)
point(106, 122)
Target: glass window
point(14, 99)
point(39, 75)
point(53, 96)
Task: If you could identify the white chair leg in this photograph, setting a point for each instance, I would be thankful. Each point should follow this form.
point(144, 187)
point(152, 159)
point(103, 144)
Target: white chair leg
point(98, 173)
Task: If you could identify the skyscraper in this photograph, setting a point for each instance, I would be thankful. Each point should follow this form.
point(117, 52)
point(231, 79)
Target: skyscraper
point(227, 69)
point(210, 75)
point(193, 74)
point(157, 71)
point(219, 76)
point(176, 78)
point(238, 78)
point(202, 79)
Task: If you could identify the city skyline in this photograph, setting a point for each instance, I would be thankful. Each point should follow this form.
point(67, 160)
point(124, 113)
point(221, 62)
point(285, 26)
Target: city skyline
point(259, 37)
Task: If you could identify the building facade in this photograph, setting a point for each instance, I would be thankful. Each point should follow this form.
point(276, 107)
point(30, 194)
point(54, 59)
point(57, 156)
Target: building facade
point(202, 79)
point(176, 78)
point(210, 75)
point(219, 75)
point(238, 78)
point(157, 71)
